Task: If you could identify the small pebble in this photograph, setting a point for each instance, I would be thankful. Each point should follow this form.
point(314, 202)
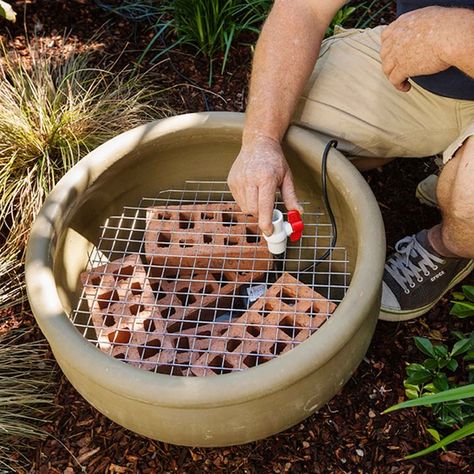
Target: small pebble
point(372, 414)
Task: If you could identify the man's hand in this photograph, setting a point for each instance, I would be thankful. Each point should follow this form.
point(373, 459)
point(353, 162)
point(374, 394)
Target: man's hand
point(415, 44)
point(257, 173)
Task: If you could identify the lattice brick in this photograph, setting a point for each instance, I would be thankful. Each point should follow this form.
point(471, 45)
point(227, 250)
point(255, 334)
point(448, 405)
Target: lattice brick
point(205, 236)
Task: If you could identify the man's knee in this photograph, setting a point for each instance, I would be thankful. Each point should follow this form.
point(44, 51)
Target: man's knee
point(455, 190)
point(456, 198)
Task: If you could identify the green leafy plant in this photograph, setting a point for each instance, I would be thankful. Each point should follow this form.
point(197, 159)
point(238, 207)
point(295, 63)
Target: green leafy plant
point(7, 11)
point(432, 377)
point(432, 384)
point(454, 395)
point(210, 26)
point(52, 112)
point(463, 306)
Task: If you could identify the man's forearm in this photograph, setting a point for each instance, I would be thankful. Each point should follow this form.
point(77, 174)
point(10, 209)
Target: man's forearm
point(284, 58)
point(458, 49)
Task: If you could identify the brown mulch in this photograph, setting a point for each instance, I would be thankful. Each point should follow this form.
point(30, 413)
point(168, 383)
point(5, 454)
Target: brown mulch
point(349, 434)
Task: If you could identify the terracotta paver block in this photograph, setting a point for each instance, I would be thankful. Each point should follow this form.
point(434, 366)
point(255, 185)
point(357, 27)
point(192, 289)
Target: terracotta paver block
point(189, 300)
point(135, 315)
point(288, 313)
point(154, 350)
point(197, 340)
point(191, 343)
point(120, 300)
point(178, 323)
point(198, 296)
point(298, 297)
point(205, 236)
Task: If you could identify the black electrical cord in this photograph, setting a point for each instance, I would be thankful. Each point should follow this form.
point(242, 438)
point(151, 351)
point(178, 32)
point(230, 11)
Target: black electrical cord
point(327, 205)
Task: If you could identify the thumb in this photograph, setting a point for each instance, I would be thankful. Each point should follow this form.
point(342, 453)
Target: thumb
point(404, 86)
point(266, 202)
point(289, 194)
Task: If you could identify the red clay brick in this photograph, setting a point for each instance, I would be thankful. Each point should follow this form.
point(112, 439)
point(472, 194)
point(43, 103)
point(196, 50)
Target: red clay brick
point(206, 236)
point(156, 322)
point(289, 311)
point(198, 296)
point(269, 328)
point(130, 310)
point(120, 299)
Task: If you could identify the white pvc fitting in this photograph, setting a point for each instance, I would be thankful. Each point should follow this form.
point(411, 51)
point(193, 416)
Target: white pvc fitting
point(281, 231)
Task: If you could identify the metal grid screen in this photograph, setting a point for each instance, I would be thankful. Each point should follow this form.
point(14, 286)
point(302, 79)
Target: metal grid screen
point(184, 285)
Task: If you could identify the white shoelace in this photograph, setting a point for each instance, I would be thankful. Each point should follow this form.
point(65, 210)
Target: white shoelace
point(404, 270)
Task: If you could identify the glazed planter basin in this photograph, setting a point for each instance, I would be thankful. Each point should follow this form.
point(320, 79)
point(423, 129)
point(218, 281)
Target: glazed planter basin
point(201, 411)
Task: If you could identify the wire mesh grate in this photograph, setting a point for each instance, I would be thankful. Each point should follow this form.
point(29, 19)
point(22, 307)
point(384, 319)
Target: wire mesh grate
point(183, 284)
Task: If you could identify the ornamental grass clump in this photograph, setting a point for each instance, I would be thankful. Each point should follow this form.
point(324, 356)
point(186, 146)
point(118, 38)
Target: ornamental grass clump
point(12, 284)
point(52, 112)
point(26, 395)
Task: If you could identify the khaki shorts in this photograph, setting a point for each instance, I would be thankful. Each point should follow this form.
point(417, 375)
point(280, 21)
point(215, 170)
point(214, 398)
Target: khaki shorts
point(349, 98)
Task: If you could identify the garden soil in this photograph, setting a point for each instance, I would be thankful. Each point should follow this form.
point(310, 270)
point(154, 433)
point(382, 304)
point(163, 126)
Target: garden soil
point(349, 435)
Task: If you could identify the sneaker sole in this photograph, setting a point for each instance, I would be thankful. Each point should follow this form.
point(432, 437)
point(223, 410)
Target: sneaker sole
point(425, 198)
point(396, 316)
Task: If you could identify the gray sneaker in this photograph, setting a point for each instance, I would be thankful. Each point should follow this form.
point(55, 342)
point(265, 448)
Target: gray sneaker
point(426, 191)
point(416, 278)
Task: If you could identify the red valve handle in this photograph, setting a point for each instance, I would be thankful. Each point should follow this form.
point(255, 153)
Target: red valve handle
point(296, 222)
